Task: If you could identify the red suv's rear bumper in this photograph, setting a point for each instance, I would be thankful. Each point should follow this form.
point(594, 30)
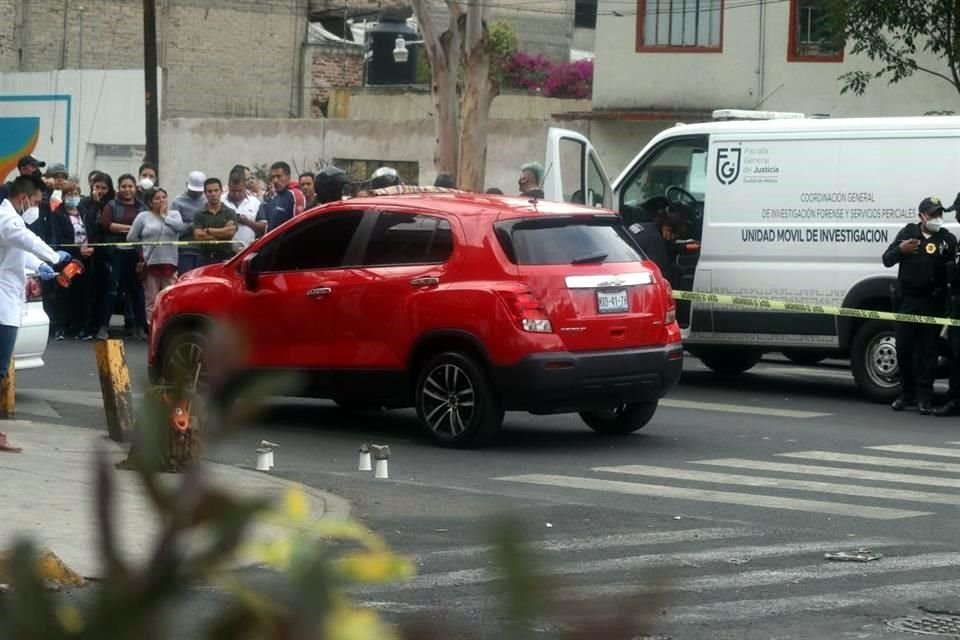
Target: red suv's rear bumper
point(565, 382)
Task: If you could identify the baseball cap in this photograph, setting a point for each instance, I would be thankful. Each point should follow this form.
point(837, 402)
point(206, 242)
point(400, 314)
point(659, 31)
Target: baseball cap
point(25, 160)
point(57, 169)
point(930, 205)
point(195, 181)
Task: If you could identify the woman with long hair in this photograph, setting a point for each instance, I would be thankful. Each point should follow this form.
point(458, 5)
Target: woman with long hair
point(116, 221)
point(158, 228)
point(101, 192)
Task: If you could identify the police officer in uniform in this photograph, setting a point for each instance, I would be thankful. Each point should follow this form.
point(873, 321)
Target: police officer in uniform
point(952, 407)
point(926, 253)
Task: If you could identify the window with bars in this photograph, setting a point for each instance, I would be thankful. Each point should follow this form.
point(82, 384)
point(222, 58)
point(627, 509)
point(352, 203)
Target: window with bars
point(811, 35)
point(680, 25)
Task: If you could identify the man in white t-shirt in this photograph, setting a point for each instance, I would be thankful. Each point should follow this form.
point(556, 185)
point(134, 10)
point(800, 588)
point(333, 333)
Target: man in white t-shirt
point(246, 207)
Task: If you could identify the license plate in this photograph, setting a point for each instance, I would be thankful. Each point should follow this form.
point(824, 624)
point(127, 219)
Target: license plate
point(613, 301)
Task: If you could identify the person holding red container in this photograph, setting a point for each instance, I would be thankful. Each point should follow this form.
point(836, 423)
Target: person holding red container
point(73, 305)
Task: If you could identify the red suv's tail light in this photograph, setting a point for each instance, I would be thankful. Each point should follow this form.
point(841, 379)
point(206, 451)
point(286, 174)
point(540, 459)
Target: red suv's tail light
point(671, 315)
point(34, 290)
point(527, 309)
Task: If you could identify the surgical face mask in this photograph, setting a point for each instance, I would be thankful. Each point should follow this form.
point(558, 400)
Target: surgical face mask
point(146, 184)
point(31, 215)
point(72, 202)
point(934, 224)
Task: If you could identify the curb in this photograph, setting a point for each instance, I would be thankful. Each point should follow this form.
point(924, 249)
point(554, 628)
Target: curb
point(52, 570)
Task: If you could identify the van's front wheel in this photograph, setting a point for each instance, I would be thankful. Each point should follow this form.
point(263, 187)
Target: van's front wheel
point(728, 360)
point(873, 359)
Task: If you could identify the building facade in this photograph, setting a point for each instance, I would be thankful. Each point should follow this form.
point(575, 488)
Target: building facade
point(662, 61)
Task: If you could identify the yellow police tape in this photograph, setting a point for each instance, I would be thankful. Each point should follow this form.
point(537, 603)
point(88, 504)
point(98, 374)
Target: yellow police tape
point(144, 243)
point(799, 307)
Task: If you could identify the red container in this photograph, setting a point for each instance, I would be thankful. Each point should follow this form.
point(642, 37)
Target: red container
point(70, 271)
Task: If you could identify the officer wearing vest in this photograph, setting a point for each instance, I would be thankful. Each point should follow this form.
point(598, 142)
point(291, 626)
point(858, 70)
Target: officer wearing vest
point(926, 255)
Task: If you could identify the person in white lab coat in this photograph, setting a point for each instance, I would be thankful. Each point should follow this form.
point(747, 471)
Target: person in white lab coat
point(20, 251)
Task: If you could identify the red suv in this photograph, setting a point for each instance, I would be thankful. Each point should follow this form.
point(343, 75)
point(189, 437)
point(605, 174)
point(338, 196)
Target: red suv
point(463, 306)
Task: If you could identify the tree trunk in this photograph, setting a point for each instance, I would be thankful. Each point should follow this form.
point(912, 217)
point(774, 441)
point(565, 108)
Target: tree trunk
point(443, 54)
point(446, 107)
point(478, 93)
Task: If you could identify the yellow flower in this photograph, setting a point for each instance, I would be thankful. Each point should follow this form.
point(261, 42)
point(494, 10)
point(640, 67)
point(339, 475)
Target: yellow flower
point(357, 624)
point(296, 505)
point(70, 619)
point(374, 567)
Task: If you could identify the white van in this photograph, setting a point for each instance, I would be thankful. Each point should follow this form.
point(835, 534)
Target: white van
point(797, 209)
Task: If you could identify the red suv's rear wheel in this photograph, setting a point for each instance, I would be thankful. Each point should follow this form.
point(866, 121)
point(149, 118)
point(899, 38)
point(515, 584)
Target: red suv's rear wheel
point(621, 420)
point(456, 402)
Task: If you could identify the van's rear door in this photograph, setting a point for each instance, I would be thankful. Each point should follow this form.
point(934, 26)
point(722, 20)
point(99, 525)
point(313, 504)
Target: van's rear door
point(573, 171)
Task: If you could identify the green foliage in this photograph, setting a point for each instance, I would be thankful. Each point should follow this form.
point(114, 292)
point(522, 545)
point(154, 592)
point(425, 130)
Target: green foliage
point(503, 43)
point(901, 36)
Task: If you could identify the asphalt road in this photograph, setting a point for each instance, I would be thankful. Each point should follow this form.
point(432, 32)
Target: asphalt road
point(712, 522)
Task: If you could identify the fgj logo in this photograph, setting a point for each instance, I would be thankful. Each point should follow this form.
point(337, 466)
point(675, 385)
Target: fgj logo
point(728, 164)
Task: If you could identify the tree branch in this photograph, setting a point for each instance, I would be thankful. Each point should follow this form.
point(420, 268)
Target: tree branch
point(936, 73)
point(431, 39)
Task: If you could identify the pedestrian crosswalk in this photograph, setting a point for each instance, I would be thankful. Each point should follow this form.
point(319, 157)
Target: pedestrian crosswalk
point(875, 486)
point(730, 575)
point(700, 575)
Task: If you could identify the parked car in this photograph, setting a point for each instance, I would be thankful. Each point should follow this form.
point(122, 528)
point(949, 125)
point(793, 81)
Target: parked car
point(34, 329)
point(463, 306)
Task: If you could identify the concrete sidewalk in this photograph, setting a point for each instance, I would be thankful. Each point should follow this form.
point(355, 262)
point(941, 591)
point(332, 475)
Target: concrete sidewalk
point(47, 494)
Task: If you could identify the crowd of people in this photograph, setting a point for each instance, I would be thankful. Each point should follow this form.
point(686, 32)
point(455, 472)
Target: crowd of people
point(133, 238)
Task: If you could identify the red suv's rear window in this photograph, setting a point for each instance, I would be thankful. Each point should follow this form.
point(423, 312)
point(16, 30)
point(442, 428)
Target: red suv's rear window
point(567, 240)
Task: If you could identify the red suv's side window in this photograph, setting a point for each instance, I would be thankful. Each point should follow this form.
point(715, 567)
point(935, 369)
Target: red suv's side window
point(321, 242)
point(405, 238)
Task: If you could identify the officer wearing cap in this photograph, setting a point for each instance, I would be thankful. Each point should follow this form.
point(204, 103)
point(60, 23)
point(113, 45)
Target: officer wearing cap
point(27, 166)
point(926, 255)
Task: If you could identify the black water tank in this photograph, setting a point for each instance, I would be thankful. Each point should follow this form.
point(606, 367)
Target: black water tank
point(381, 69)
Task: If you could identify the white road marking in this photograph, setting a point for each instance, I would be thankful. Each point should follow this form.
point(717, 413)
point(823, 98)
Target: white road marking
point(837, 472)
point(920, 451)
point(465, 577)
point(878, 599)
point(878, 461)
point(807, 372)
point(719, 582)
point(603, 542)
point(740, 408)
point(696, 475)
point(703, 495)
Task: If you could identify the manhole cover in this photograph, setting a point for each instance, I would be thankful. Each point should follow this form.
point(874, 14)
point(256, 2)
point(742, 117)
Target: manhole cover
point(944, 626)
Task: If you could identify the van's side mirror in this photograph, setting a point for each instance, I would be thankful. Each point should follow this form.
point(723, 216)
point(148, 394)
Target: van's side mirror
point(250, 270)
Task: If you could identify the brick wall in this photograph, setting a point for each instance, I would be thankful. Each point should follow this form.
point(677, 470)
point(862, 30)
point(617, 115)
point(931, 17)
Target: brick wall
point(333, 66)
point(237, 58)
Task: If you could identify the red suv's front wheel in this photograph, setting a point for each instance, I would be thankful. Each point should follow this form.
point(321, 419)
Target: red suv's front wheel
point(456, 402)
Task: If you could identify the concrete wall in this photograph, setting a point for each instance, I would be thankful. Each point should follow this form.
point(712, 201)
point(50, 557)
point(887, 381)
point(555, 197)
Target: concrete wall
point(237, 58)
point(735, 78)
point(618, 142)
point(403, 105)
point(215, 145)
point(77, 114)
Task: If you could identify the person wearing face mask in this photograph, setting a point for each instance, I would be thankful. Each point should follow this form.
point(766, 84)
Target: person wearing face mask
point(926, 255)
point(73, 306)
point(148, 179)
point(117, 218)
point(21, 250)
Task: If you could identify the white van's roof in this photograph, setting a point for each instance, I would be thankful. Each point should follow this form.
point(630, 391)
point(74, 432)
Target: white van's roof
point(798, 125)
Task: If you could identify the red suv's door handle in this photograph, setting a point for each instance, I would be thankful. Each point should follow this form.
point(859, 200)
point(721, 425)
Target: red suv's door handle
point(425, 281)
point(319, 292)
